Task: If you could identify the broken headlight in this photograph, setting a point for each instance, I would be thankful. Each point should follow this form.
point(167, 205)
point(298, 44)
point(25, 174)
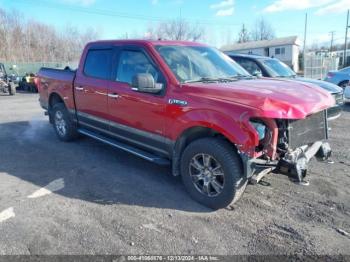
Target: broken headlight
point(260, 128)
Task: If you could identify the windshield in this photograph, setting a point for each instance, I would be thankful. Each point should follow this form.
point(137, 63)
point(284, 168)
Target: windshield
point(278, 69)
point(196, 63)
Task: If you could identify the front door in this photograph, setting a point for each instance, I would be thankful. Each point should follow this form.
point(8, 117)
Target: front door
point(137, 117)
point(91, 89)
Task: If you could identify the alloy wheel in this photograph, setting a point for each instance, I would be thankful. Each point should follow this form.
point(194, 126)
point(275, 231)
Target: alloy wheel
point(207, 175)
point(60, 124)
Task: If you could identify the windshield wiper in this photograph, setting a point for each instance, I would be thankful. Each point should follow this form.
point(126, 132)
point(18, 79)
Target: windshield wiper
point(202, 79)
point(240, 76)
point(290, 76)
point(221, 79)
point(211, 80)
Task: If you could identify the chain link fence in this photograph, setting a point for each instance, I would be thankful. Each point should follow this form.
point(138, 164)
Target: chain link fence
point(21, 69)
point(317, 66)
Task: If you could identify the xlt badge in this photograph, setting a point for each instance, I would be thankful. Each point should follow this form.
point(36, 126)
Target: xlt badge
point(177, 102)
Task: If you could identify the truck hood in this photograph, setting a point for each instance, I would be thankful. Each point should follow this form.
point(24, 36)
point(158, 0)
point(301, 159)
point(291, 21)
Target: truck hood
point(269, 97)
point(332, 88)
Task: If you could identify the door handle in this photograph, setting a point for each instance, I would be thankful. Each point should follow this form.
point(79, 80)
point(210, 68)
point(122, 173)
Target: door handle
point(79, 88)
point(114, 95)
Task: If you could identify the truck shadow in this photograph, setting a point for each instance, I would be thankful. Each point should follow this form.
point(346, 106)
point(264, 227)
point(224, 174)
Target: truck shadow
point(91, 171)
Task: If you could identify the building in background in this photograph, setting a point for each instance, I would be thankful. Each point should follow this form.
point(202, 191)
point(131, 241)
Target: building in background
point(285, 49)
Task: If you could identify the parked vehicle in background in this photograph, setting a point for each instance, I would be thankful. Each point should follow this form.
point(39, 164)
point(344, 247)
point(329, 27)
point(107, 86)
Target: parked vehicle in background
point(6, 83)
point(347, 94)
point(340, 78)
point(272, 67)
point(28, 83)
point(191, 106)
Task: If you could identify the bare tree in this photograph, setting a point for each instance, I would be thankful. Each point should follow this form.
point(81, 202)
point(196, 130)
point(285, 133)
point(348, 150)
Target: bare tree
point(262, 30)
point(32, 41)
point(178, 29)
point(243, 35)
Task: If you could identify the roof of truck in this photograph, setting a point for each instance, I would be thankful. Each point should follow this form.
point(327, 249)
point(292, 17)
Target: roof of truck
point(146, 42)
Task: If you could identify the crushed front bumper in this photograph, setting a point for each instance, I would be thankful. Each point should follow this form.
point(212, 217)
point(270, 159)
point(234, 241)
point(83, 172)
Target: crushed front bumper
point(294, 163)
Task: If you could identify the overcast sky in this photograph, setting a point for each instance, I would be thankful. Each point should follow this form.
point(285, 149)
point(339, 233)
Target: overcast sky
point(222, 19)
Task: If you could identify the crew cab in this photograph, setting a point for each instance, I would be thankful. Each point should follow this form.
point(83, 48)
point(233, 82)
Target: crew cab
point(191, 106)
point(272, 67)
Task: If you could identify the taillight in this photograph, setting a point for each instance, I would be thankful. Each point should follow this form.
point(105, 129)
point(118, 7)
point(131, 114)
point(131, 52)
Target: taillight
point(37, 82)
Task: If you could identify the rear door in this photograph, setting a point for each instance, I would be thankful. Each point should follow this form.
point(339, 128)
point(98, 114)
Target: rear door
point(91, 88)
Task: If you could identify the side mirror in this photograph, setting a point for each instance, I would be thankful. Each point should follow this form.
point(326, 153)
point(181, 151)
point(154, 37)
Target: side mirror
point(257, 73)
point(145, 83)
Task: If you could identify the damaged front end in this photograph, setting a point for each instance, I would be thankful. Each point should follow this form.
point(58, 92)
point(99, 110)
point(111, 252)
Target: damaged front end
point(288, 147)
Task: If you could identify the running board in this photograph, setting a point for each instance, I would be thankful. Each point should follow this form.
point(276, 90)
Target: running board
point(130, 149)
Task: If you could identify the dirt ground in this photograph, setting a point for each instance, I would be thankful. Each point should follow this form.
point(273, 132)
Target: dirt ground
point(106, 201)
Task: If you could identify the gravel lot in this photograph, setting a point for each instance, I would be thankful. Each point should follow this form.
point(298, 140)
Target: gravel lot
point(106, 201)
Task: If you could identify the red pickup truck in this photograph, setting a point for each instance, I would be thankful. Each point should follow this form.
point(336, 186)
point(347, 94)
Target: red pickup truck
point(189, 105)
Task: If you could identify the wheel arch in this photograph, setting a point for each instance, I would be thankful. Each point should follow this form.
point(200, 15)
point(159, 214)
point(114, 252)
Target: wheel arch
point(54, 98)
point(189, 135)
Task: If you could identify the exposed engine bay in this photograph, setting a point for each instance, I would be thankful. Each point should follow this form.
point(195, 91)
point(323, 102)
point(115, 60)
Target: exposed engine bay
point(297, 143)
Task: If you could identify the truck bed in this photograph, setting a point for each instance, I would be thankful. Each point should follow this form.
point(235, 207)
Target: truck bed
point(57, 74)
point(55, 80)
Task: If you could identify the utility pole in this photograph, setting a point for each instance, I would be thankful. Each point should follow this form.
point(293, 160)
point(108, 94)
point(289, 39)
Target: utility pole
point(346, 39)
point(304, 51)
point(332, 37)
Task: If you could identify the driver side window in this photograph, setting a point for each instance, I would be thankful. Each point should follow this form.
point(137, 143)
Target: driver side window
point(132, 63)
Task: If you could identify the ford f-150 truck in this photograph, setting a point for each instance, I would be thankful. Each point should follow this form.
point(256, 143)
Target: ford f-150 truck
point(191, 106)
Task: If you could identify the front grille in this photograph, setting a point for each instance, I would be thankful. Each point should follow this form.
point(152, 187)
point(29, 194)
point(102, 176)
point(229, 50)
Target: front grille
point(338, 98)
point(307, 131)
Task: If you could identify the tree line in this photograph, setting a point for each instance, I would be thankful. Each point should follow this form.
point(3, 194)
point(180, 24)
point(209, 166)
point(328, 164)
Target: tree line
point(180, 29)
point(24, 40)
point(261, 30)
point(28, 40)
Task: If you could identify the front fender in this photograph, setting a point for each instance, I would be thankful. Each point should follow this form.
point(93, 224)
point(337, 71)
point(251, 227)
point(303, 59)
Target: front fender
point(235, 128)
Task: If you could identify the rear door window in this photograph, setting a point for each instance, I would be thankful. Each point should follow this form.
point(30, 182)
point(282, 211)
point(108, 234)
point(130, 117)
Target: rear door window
point(98, 63)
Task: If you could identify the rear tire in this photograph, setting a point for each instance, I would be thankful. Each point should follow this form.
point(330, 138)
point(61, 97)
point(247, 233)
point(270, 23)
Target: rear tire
point(64, 127)
point(212, 172)
point(12, 89)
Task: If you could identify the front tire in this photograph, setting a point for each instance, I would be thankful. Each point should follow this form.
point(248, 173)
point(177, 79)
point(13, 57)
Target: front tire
point(64, 127)
point(212, 172)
